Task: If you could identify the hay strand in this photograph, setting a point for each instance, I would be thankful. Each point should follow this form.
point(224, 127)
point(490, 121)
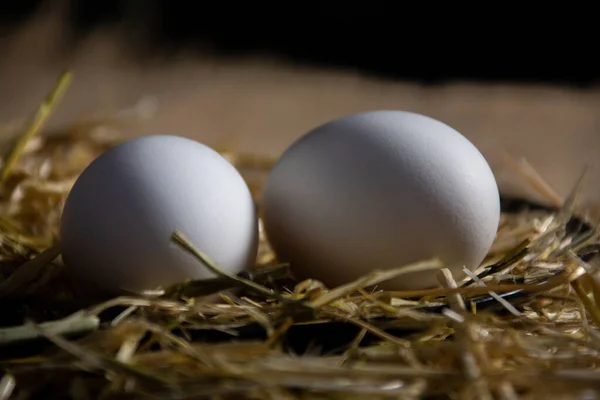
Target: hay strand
point(36, 123)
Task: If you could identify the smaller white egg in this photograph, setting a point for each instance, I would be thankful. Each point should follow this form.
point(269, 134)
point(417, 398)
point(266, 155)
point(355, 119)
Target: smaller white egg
point(122, 210)
point(378, 190)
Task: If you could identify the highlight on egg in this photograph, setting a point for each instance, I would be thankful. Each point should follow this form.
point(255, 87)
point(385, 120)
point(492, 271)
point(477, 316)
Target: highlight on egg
point(378, 190)
point(123, 209)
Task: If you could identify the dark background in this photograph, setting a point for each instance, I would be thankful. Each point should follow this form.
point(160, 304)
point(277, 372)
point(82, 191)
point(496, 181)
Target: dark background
point(377, 38)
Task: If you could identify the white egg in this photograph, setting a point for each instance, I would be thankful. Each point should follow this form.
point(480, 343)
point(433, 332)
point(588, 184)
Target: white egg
point(378, 190)
point(120, 214)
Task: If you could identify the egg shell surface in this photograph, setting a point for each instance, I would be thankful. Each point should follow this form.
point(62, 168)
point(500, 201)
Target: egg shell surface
point(379, 190)
point(122, 210)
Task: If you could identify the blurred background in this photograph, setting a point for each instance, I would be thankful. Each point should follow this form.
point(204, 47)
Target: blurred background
point(253, 77)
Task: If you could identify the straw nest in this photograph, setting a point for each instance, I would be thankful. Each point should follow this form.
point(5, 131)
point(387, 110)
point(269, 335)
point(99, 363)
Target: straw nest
point(525, 325)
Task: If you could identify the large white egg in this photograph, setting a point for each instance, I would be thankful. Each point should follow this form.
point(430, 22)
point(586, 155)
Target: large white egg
point(120, 214)
point(378, 190)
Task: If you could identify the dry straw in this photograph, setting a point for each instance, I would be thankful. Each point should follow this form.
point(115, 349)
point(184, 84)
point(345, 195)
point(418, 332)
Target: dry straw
point(523, 326)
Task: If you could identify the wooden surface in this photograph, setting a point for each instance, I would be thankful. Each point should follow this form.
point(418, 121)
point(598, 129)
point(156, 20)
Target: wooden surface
point(261, 107)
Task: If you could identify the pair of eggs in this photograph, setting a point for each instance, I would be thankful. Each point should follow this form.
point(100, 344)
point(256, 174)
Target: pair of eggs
point(373, 190)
